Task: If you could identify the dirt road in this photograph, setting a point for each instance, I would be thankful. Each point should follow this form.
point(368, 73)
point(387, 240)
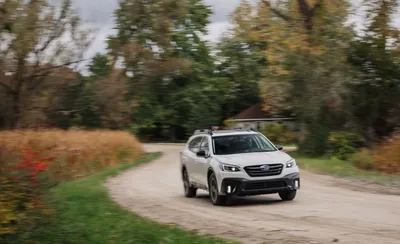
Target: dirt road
point(321, 213)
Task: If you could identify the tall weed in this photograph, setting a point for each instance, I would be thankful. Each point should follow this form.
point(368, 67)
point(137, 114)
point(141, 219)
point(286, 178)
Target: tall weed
point(77, 153)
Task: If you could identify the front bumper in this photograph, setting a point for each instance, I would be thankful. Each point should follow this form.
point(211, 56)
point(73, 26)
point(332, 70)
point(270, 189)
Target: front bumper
point(245, 187)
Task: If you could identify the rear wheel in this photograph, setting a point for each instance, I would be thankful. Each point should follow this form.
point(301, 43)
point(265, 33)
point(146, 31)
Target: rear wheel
point(190, 191)
point(287, 195)
point(216, 199)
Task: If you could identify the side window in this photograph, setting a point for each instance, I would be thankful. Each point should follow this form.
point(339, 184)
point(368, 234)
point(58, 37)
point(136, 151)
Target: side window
point(205, 145)
point(194, 145)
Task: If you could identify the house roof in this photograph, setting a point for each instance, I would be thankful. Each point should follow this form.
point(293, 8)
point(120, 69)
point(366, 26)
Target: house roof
point(256, 112)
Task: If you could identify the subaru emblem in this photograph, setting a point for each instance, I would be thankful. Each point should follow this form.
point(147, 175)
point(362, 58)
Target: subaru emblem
point(264, 167)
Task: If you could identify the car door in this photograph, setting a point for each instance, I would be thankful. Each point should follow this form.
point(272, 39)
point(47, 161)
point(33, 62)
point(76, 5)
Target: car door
point(201, 167)
point(191, 164)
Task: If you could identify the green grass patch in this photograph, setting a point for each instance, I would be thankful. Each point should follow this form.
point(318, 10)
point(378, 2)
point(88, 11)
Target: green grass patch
point(83, 213)
point(344, 169)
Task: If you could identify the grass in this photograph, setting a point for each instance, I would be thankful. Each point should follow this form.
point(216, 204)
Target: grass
point(85, 214)
point(344, 169)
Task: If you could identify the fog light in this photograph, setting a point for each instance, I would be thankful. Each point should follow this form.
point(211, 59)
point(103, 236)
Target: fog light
point(296, 183)
point(229, 189)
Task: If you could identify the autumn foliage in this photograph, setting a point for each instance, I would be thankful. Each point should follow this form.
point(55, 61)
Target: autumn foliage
point(21, 188)
point(33, 161)
point(386, 156)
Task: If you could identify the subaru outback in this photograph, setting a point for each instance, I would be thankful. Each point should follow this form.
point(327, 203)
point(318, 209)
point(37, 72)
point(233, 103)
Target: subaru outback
point(238, 162)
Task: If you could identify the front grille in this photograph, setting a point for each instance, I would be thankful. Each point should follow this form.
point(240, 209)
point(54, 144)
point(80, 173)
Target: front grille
point(265, 185)
point(256, 171)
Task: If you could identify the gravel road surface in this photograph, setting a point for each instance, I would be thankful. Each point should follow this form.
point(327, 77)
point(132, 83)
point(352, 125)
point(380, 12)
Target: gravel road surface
point(321, 213)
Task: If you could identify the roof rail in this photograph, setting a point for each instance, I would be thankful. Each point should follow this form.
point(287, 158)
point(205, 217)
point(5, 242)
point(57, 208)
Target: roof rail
point(243, 128)
point(203, 131)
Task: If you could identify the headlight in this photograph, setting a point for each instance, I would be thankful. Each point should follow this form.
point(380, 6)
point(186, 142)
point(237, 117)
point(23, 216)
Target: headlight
point(229, 168)
point(291, 163)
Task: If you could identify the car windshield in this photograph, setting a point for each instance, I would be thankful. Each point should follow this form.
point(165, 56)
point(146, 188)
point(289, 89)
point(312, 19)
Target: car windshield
point(235, 144)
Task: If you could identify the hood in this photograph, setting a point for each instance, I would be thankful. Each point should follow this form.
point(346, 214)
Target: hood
point(256, 158)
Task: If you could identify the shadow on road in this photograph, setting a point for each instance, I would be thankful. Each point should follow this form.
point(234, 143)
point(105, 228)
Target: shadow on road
point(242, 201)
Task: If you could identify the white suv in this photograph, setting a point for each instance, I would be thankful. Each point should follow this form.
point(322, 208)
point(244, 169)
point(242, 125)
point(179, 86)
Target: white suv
point(238, 162)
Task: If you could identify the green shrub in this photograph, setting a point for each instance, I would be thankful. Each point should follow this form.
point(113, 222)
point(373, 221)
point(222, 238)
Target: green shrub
point(277, 133)
point(342, 144)
point(363, 159)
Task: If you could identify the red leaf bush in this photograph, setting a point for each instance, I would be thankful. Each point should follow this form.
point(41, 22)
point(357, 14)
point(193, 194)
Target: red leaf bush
point(21, 188)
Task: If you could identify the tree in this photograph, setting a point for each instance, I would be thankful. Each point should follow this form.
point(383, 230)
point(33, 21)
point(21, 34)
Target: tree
point(172, 83)
point(240, 65)
point(241, 60)
point(97, 100)
point(376, 56)
point(297, 35)
point(37, 41)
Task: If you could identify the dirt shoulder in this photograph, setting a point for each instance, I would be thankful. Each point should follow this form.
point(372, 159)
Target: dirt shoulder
point(322, 212)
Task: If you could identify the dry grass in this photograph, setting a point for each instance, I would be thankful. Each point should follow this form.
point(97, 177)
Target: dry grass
point(387, 155)
point(78, 153)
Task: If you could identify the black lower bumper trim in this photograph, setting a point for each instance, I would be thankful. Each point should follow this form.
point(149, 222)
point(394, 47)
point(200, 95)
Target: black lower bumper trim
point(244, 187)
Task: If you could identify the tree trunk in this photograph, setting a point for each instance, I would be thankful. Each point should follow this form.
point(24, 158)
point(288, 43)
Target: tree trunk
point(16, 111)
point(303, 132)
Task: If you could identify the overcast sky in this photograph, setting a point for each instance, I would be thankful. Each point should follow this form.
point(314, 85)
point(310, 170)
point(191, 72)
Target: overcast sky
point(100, 13)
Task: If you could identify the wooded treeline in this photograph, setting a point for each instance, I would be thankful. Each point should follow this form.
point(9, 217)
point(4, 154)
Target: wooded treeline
point(161, 80)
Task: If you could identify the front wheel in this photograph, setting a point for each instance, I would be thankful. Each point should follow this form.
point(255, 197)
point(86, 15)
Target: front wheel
point(190, 191)
point(287, 195)
point(216, 199)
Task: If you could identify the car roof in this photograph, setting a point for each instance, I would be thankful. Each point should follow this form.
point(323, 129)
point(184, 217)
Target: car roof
point(232, 132)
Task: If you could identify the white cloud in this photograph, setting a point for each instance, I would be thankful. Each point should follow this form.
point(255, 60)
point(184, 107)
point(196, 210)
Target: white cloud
point(215, 30)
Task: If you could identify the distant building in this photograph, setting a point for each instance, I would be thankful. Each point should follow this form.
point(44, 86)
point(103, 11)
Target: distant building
point(257, 119)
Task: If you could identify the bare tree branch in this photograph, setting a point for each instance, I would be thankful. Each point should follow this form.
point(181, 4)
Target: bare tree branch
point(304, 7)
point(276, 11)
point(260, 27)
point(57, 30)
point(67, 113)
point(316, 7)
point(45, 72)
point(7, 87)
point(58, 66)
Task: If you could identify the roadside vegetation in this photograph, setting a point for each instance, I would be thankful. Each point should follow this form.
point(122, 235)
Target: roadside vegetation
point(32, 162)
point(74, 153)
point(83, 213)
point(51, 189)
point(346, 169)
point(380, 164)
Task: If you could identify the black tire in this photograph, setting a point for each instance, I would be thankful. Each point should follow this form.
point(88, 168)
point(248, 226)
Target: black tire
point(190, 191)
point(287, 195)
point(216, 199)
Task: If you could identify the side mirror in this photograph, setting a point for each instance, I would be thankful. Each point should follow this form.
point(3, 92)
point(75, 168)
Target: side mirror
point(201, 154)
point(279, 147)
